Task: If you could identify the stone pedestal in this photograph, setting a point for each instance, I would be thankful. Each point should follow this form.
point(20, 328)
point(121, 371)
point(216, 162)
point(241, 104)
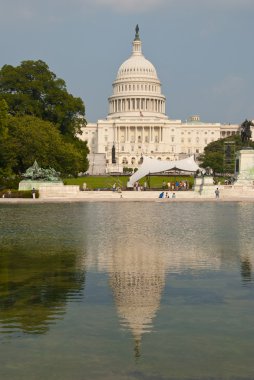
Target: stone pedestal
point(204, 186)
point(208, 180)
point(244, 170)
point(198, 183)
point(32, 184)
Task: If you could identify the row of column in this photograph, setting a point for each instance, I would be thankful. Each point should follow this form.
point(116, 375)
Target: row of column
point(139, 134)
point(137, 104)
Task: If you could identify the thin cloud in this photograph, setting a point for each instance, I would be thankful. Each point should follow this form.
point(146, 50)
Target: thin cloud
point(131, 5)
point(30, 9)
point(230, 85)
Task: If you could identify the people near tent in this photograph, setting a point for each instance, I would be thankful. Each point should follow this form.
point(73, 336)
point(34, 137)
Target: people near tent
point(169, 185)
point(164, 185)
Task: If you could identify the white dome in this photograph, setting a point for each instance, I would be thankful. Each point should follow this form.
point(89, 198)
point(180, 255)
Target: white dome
point(137, 88)
point(137, 66)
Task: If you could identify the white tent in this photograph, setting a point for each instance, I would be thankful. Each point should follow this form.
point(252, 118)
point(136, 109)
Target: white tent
point(151, 165)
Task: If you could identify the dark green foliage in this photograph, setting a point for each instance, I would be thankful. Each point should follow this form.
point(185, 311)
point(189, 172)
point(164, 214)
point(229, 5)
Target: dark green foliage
point(214, 154)
point(32, 89)
point(18, 194)
point(33, 139)
point(39, 120)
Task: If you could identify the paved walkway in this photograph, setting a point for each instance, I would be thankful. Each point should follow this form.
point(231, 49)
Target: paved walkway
point(127, 196)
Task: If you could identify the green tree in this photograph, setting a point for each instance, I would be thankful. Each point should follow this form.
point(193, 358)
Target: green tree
point(32, 89)
point(6, 151)
point(31, 138)
point(214, 153)
point(4, 118)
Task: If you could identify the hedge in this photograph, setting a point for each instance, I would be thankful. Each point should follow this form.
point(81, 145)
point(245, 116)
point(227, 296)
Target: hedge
point(18, 194)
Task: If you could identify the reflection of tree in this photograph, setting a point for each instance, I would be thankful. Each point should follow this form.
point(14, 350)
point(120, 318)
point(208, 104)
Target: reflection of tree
point(246, 269)
point(35, 287)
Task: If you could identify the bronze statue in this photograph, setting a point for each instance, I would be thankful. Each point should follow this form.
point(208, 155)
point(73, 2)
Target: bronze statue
point(246, 131)
point(137, 32)
point(38, 174)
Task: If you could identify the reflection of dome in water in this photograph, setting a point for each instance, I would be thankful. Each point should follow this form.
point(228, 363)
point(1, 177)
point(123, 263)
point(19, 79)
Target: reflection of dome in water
point(137, 279)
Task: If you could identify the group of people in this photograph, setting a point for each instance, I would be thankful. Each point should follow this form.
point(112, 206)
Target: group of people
point(138, 187)
point(178, 185)
point(166, 195)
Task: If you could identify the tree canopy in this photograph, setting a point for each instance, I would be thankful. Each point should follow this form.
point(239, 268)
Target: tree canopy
point(214, 155)
point(30, 138)
point(39, 120)
point(32, 89)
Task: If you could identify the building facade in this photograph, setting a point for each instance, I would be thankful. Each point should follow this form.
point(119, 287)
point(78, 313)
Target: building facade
point(137, 124)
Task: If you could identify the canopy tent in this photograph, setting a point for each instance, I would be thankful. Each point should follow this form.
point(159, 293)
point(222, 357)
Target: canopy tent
point(151, 165)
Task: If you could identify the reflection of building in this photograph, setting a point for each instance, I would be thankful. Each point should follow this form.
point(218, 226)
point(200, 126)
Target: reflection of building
point(137, 267)
point(137, 279)
point(137, 124)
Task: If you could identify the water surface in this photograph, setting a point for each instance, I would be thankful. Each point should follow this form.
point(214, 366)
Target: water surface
point(127, 291)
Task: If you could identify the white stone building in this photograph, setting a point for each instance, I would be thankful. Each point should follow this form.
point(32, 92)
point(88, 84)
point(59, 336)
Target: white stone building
point(137, 124)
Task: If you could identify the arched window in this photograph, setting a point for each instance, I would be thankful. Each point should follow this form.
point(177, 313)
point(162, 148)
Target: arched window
point(133, 160)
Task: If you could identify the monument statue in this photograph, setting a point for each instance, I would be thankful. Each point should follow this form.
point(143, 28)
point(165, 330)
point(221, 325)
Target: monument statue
point(40, 174)
point(137, 32)
point(246, 131)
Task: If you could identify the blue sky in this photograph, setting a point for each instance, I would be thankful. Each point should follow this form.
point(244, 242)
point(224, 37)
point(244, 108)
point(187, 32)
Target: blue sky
point(202, 49)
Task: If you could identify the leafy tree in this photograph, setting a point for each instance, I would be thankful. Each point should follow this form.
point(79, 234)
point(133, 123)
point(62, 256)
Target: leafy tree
point(214, 153)
point(4, 118)
point(31, 138)
point(32, 89)
point(6, 151)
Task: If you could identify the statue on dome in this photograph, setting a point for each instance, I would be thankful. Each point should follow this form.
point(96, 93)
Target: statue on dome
point(137, 32)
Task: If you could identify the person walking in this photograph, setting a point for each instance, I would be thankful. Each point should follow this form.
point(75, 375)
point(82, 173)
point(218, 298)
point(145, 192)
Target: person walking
point(33, 193)
point(217, 193)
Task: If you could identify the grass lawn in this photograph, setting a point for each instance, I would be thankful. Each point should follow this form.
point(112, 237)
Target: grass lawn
point(106, 182)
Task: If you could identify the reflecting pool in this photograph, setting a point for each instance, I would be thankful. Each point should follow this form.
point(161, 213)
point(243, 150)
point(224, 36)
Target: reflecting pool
point(127, 291)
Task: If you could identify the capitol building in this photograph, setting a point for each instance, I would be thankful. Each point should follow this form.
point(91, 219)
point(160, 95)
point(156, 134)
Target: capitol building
point(137, 124)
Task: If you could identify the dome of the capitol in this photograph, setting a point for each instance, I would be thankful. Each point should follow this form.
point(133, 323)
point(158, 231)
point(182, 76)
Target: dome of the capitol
point(137, 88)
point(137, 66)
